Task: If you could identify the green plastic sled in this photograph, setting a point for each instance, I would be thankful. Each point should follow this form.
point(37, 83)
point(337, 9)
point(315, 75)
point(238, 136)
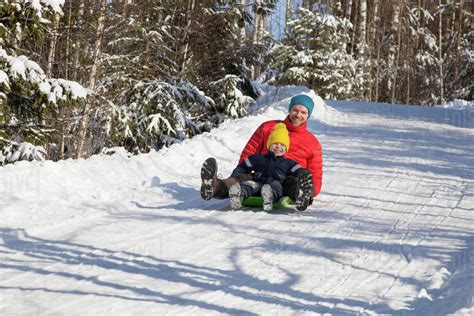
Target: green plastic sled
point(257, 201)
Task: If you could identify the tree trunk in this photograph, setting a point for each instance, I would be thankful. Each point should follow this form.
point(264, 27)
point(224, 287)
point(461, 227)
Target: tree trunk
point(52, 46)
point(256, 27)
point(393, 49)
point(398, 50)
point(92, 78)
point(255, 40)
point(348, 9)
point(372, 42)
point(64, 111)
point(263, 27)
point(407, 68)
point(77, 44)
point(287, 15)
point(363, 21)
point(440, 55)
point(355, 23)
point(458, 39)
point(242, 34)
point(68, 41)
point(185, 48)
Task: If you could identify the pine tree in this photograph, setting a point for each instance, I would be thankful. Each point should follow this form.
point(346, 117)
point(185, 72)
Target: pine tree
point(30, 101)
point(315, 55)
point(139, 86)
point(180, 69)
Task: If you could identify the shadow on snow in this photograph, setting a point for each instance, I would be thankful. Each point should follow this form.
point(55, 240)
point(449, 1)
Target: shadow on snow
point(60, 256)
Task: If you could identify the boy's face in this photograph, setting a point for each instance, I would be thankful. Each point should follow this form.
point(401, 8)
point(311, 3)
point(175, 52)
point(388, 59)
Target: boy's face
point(278, 149)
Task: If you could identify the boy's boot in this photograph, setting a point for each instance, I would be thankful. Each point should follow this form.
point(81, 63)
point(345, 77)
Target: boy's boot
point(267, 195)
point(237, 196)
point(305, 190)
point(208, 178)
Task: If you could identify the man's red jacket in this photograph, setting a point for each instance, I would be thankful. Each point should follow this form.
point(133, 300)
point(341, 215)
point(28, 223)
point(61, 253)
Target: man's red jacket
point(305, 149)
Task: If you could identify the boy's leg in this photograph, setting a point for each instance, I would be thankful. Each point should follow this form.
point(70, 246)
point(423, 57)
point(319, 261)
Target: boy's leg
point(236, 196)
point(267, 196)
point(277, 190)
point(270, 194)
point(239, 191)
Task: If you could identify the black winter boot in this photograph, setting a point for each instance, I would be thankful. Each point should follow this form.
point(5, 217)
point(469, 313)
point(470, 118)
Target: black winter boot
point(208, 178)
point(305, 189)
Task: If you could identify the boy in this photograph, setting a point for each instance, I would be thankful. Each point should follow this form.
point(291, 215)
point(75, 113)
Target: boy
point(268, 171)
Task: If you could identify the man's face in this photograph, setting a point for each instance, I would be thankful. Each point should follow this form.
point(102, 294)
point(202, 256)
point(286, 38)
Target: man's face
point(298, 115)
point(278, 149)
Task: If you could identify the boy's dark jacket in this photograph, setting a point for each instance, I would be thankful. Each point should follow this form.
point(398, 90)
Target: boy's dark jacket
point(267, 168)
point(305, 149)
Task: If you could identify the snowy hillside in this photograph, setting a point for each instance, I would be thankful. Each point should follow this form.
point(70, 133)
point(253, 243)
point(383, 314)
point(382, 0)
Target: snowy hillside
point(391, 232)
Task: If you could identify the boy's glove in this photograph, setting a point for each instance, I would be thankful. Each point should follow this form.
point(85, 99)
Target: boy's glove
point(258, 177)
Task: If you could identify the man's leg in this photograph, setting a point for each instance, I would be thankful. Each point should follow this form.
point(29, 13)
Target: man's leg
point(290, 187)
point(212, 186)
point(208, 178)
point(300, 189)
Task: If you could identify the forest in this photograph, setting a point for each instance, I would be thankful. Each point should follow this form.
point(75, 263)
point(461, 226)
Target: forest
point(84, 77)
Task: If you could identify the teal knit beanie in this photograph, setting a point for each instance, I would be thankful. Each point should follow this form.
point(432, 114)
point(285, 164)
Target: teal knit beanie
point(303, 100)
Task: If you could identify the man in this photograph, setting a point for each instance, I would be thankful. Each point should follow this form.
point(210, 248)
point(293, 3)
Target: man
point(268, 171)
point(305, 150)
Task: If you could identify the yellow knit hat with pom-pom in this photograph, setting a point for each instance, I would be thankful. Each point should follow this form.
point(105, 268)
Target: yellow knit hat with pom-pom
point(279, 135)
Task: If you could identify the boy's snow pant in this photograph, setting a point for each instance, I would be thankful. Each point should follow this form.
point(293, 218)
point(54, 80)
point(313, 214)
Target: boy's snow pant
point(221, 186)
point(253, 188)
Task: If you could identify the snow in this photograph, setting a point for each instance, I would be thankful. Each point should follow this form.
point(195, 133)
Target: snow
point(459, 105)
point(18, 67)
point(303, 58)
point(390, 233)
point(39, 5)
point(4, 79)
point(22, 67)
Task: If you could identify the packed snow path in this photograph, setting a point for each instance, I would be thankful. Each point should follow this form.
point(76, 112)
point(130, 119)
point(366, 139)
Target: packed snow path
point(391, 232)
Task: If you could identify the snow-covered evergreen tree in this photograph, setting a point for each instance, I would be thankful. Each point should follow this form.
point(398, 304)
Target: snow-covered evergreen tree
point(29, 100)
point(463, 86)
point(314, 54)
point(233, 102)
point(175, 78)
point(146, 104)
point(222, 61)
point(156, 114)
point(424, 65)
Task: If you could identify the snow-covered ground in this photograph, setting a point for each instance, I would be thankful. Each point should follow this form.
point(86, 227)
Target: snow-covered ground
point(459, 105)
point(391, 232)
